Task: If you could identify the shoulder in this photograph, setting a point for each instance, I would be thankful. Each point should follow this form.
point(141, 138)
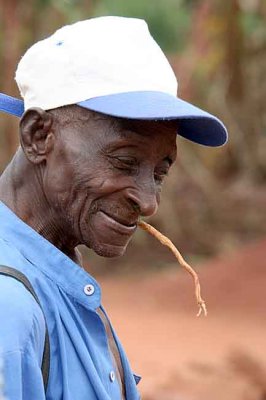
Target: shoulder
point(21, 316)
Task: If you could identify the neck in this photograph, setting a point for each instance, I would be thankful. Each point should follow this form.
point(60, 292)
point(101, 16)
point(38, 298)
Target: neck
point(22, 191)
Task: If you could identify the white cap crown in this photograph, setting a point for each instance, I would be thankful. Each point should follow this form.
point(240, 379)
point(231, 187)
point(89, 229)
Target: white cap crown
point(92, 58)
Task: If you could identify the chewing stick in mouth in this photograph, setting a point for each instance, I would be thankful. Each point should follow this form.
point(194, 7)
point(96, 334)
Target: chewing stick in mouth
point(167, 242)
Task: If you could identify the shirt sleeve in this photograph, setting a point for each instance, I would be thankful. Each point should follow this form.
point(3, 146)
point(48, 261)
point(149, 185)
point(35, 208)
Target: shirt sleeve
point(22, 333)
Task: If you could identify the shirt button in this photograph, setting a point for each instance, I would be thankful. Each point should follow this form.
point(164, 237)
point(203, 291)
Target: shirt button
point(89, 289)
point(112, 376)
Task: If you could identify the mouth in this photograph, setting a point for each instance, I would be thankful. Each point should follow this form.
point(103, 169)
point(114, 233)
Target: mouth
point(119, 224)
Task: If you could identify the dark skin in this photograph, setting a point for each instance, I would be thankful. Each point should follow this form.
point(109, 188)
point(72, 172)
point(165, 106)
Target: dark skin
point(88, 179)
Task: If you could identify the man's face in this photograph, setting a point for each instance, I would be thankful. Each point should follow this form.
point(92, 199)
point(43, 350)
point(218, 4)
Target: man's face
point(104, 174)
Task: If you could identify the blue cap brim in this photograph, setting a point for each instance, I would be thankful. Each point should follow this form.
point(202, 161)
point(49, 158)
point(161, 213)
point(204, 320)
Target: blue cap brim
point(11, 105)
point(193, 123)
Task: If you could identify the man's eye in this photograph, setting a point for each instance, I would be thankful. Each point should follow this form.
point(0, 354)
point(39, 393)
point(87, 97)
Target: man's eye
point(124, 163)
point(160, 175)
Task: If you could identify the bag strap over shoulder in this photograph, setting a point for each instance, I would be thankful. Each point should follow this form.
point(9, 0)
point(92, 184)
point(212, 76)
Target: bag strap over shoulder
point(14, 273)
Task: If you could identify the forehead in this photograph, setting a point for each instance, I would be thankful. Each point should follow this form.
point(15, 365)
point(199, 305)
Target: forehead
point(94, 126)
point(150, 138)
point(149, 129)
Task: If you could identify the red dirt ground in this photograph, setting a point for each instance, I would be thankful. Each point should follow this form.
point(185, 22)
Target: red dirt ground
point(182, 357)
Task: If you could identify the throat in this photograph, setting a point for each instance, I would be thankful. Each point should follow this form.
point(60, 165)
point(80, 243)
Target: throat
point(60, 236)
point(21, 190)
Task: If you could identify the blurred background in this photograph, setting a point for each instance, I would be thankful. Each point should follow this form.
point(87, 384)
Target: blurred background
point(213, 203)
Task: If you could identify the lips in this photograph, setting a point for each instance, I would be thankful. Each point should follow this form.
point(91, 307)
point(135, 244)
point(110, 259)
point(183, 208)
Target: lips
point(118, 224)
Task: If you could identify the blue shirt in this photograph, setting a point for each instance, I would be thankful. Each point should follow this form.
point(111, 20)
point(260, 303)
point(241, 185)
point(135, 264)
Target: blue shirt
point(81, 365)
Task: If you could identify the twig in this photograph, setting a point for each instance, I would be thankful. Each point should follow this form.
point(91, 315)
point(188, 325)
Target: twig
point(167, 242)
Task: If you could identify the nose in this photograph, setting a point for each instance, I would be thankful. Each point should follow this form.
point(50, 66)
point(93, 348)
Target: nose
point(144, 200)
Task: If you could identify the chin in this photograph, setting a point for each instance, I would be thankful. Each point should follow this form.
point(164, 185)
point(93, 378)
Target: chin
point(106, 242)
point(110, 252)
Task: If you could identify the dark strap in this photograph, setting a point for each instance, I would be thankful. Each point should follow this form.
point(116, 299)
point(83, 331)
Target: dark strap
point(114, 352)
point(14, 273)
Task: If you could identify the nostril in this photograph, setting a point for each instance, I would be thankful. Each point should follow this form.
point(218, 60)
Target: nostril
point(135, 206)
point(145, 203)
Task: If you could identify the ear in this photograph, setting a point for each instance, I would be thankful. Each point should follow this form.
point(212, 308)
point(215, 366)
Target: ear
point(36, 134)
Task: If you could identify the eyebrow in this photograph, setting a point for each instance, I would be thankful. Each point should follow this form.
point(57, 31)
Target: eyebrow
point(129, 133)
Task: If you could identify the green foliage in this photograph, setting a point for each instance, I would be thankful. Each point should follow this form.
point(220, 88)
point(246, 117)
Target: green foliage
point(168, 20)
point(70, 10)
point(253, 25)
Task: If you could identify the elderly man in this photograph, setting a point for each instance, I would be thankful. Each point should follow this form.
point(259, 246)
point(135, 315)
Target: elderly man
point(99, 119)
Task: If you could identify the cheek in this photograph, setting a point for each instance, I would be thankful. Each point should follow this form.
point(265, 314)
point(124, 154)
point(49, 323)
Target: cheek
point(58, 186)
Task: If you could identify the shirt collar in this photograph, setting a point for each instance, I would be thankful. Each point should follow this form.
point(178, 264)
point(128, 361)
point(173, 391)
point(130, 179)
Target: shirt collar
point(49, 259)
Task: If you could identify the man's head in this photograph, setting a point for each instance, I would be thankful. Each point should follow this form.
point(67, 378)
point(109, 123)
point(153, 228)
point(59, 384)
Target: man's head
point(98, 174)
point(99, 127)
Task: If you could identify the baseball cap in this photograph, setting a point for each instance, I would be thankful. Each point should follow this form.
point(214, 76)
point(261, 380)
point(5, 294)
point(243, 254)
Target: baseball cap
point(110, 65)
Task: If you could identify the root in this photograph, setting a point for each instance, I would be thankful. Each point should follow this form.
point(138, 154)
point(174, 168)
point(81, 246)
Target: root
point(167, 242)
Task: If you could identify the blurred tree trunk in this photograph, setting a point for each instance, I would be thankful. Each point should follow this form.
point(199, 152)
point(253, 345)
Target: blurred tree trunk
point(10, 27)
point(234, 41)
point(240, 95)
point(226, 56)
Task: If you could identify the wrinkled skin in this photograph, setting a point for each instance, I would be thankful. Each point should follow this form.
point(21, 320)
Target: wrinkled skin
point(87, 180)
